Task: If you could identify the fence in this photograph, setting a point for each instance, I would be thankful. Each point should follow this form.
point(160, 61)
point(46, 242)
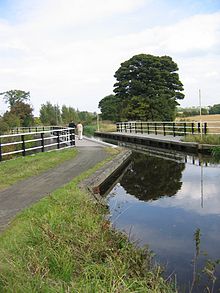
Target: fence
point(179, 128)
point(24, 143)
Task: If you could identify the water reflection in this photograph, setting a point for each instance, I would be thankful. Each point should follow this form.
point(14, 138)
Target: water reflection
point(151, 178)
point(161, 201)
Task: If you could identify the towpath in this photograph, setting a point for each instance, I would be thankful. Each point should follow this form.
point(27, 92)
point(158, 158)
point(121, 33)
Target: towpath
point(25, 193)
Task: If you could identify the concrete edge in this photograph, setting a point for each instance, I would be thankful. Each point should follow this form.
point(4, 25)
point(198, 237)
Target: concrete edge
point(100, 142)
point(94, 182)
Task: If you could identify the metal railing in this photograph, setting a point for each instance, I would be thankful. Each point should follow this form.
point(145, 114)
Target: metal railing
point(24, 143)
point(174, 128)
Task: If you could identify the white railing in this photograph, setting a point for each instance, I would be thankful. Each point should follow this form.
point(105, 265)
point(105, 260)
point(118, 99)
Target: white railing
point(174, 128)
point(23, 143)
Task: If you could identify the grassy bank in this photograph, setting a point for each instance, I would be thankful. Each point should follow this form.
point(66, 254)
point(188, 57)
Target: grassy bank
point(205, 139)
point(63, 244)
point(24, 167)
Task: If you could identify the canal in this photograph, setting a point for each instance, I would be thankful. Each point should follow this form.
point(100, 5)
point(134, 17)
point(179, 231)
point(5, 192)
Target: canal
point(164, 200)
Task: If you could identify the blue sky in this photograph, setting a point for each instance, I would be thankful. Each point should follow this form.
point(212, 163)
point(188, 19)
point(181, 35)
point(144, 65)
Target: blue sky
point(68, 51)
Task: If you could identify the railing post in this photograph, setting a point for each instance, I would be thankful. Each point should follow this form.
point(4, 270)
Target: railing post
point(72, 137)
point(135, 127)
point(174, 134)
point(117, 127)
point(125, 127)
point(164, 129)
point(205, 128)
point(148, 128)
point(155, 127)
point(121, 124)
point(130, 128)
point(42, 141)
point(23, 146)
point(141, 128)
point(192, 127)
point(58, 139)
point(184, 125)
point(199, 128)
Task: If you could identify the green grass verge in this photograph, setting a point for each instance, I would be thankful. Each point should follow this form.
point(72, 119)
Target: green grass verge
point(205, 139)
point(64, 244)
point(24, 167)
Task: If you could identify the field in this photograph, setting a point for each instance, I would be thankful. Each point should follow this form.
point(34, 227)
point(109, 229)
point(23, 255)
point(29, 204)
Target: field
point(213, 122)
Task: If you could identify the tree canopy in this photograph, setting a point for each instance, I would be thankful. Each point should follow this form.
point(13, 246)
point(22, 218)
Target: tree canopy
point(15, 96)
point(215, 109)
point(109, 108)
point(148, 88)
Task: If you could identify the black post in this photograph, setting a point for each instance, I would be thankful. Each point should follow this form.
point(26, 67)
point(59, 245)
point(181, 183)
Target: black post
point(184, 125)
point(155, 126)
point(148, 128)
point(42, 141)
point(174, 134)
point(192, 127)
point(58, 139)
point(164, 129)
point(23, 146)
point(141, 128)
point(205, 128)
point(117, 127)
point(135, 127)
point(36, 129)
point(121, 126)
point(199, 129)
point(125, 127)
point(72, 136)
point(29, 129)
point(130, 128)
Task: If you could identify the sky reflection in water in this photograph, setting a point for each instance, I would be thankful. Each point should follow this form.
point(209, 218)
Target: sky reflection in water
point(162, 202)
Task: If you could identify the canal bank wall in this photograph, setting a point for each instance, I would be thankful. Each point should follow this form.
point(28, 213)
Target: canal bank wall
point(107, 174)
point(158, 141)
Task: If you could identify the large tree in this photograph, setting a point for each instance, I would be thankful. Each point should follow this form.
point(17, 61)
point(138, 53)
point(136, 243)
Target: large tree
point(148, 88)
point(15, 96)
point(109, 106)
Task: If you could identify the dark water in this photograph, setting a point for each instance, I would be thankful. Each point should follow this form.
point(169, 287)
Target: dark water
point(161, 200)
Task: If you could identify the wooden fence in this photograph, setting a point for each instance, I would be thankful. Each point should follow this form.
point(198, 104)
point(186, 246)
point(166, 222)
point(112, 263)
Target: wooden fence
point(179, 128)
point(24, 141)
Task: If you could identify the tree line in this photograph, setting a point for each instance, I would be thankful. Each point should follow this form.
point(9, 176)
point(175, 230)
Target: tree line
point(20, 112)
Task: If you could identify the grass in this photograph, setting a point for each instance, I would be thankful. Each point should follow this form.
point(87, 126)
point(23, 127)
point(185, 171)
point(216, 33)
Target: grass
point(64, 244)
point(205, 139)
point(104, 126)
point(21, 168)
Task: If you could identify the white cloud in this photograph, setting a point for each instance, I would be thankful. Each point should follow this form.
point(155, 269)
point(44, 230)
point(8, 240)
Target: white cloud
point(49, 52)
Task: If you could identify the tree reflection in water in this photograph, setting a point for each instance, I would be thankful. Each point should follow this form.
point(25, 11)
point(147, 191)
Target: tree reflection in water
point(150, 178)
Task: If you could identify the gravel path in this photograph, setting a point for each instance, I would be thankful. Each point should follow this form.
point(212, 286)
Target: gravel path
point(25, 193)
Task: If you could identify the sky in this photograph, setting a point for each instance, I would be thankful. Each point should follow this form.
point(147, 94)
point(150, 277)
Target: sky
point(67, 51)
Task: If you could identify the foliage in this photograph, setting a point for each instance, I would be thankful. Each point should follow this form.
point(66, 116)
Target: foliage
point(64, 244)
point(86, 117)
point(4, 127)
point(68, 114)
point(15, 96)
point(216, 152)
point(50, 114)
point(215, 109)
point(190, 111)
point(148, 83)
point(109, 106)
point(24, 112)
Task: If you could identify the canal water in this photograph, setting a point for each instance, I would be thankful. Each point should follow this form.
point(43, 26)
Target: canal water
point(163, 200)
